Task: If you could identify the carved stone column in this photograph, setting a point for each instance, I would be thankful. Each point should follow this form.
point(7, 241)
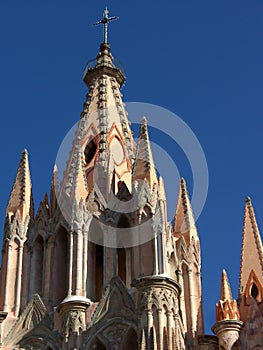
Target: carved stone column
point(72, 313)
point(157, 290)
point(227, 332)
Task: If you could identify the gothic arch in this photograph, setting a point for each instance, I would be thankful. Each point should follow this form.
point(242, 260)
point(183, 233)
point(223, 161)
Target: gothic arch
point(118, 333)
point(38, 342)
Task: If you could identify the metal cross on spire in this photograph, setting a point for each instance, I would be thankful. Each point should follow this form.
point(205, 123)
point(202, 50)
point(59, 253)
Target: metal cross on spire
point(105, 20)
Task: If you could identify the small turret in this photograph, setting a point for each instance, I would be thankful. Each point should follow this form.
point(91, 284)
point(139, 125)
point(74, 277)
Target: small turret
point(228, 324)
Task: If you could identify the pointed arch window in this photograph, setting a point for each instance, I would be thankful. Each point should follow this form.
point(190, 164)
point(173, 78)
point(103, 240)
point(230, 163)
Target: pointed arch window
point(90, 150)
point(254, 291)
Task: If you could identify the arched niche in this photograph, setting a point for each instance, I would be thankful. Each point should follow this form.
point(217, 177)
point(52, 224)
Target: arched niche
point(60, 266)
point(121, 254)
point(95, 261)
point(124, 254)
point(37, 266)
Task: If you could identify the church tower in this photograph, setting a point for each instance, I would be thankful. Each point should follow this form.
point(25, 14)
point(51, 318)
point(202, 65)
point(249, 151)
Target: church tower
point(98, 266)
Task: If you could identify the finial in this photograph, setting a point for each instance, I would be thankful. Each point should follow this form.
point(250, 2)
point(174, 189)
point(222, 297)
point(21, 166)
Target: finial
point(144, 120)
point(105, 20)
point(248, 200)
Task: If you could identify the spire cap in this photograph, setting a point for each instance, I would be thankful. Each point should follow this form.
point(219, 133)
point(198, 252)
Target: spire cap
point(225, 293)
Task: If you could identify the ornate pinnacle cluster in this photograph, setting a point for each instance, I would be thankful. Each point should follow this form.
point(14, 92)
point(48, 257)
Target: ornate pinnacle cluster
point(226, 308)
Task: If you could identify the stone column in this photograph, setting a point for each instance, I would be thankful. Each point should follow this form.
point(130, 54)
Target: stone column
point(9, 251)
point(79, 259)
point(84, 262)
point(192, 313)
point(169, 328)
point(160, 328)
point(70, 268)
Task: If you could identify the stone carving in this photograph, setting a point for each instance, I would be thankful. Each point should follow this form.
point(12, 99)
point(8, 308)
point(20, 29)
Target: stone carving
point(73, 320)
point(115, 334)
point(227, 340)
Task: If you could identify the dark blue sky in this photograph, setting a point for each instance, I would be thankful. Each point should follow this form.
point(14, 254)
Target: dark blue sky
point(200, 59)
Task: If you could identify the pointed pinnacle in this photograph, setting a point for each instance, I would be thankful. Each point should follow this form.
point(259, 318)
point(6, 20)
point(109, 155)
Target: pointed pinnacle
point(144, 167)
point(225, 292)
point(182, 181)
point(55, 169)
point(54, 182)
point(45, 199)
point(252, 250)
point(184, 222)
point(20, 197)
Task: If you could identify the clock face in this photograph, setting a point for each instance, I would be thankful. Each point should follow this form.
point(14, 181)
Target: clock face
point(116, 150)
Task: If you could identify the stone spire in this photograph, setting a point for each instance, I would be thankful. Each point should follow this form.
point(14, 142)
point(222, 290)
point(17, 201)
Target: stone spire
point(189, 270)
point(20, 199)
point(144, 168)
point(103, 134)
point(184, 222)
point(252, 252)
